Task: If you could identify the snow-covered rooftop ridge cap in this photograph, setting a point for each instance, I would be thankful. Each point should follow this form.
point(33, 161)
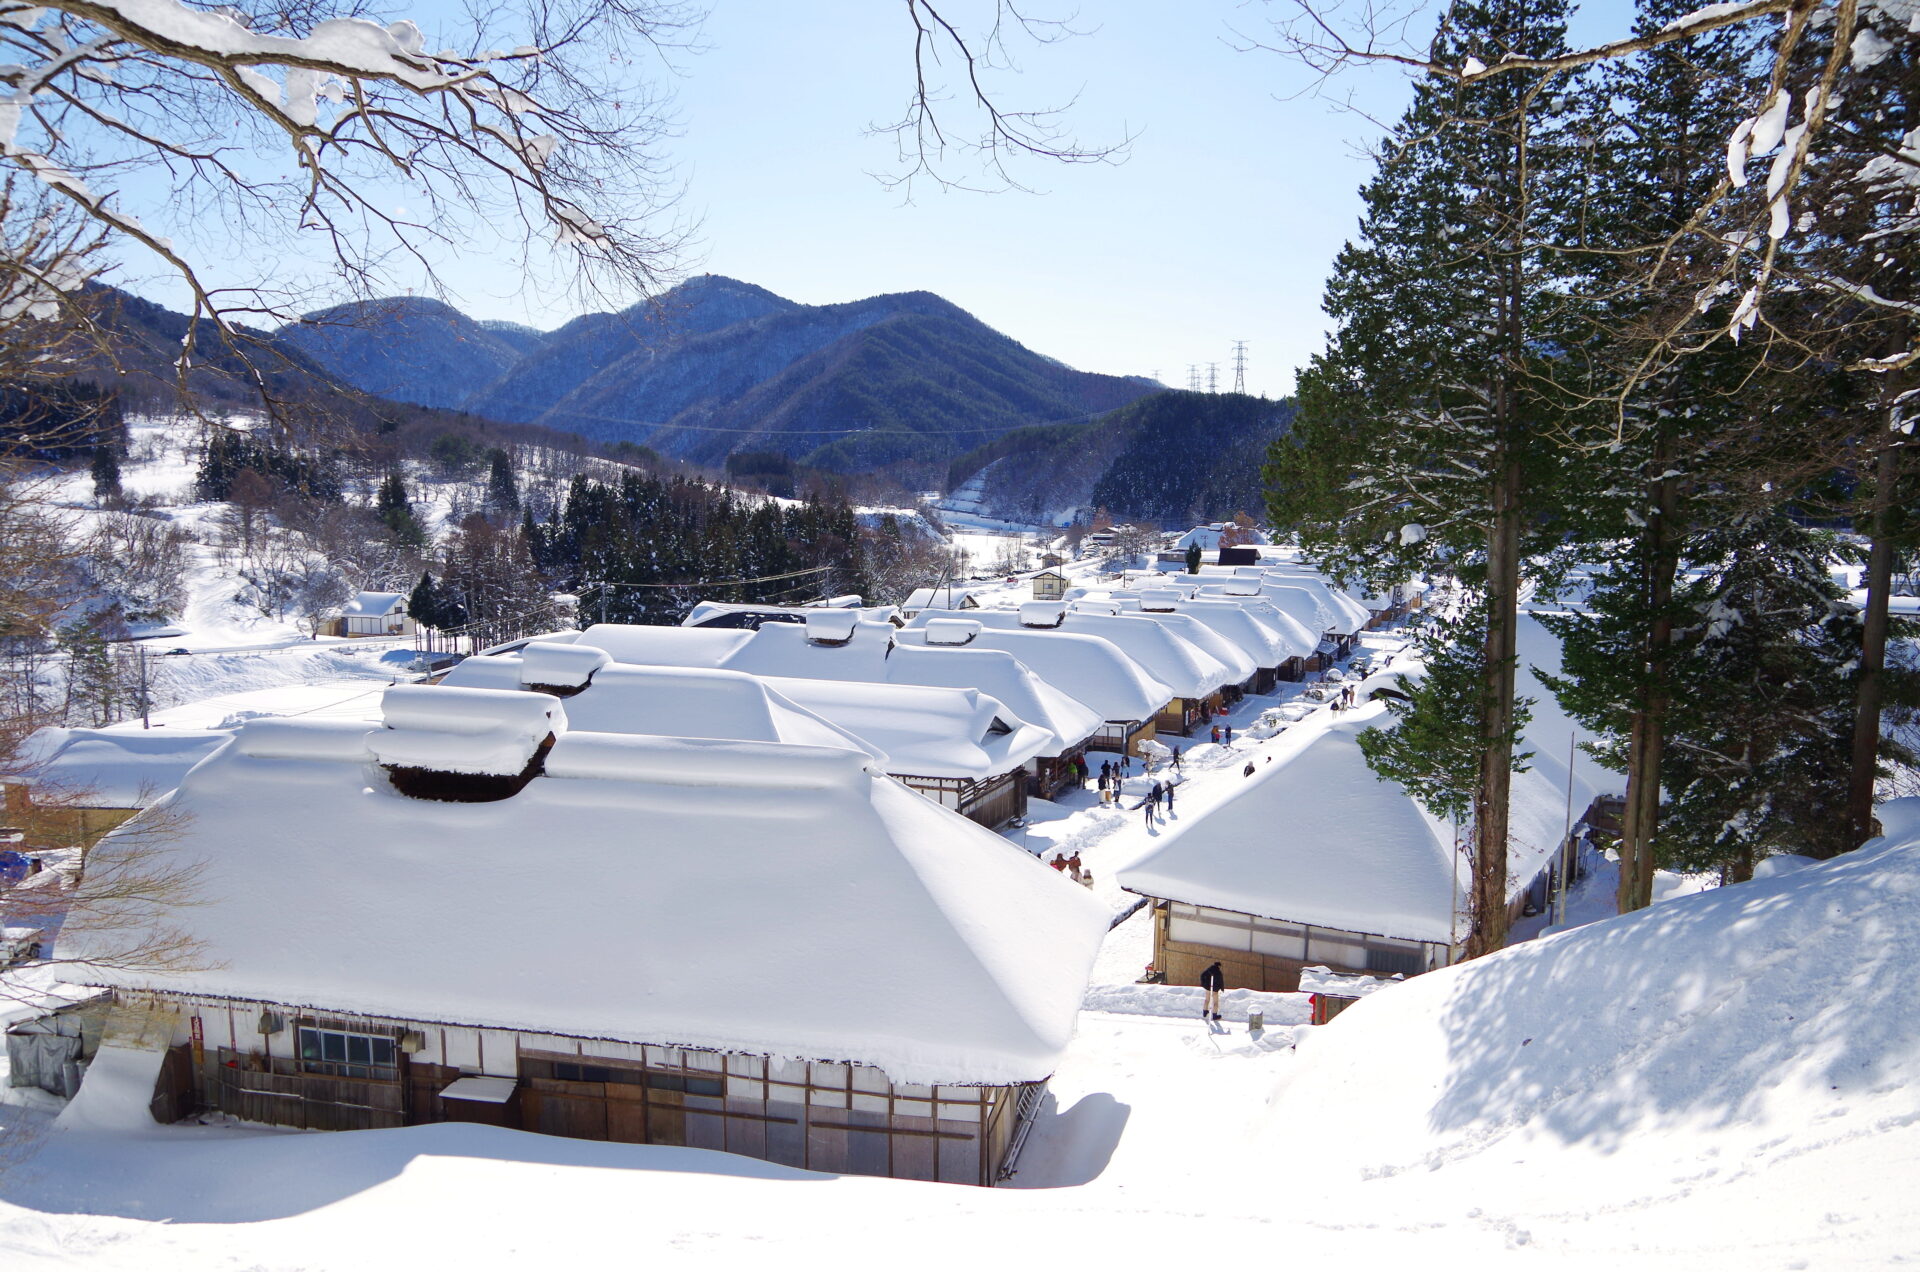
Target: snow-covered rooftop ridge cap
point(494, 732)
point(951, 631)
point(664, 761)
point(1160, 599)
point(835, 626)
point(282, 739)
point(550, 664)
point(1042, 613)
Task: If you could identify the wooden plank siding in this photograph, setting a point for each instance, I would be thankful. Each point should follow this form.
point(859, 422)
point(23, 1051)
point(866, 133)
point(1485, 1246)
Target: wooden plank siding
point(833, 1117)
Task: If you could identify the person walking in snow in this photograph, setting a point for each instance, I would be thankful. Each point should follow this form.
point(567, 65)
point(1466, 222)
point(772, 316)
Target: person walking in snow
point(1073, 866)
point(1146, 803)
point(1156, 794)
point(1216, 735)
point(1176, 759)
point(1213, 980)
point(1169, 795)
point(1227, 732)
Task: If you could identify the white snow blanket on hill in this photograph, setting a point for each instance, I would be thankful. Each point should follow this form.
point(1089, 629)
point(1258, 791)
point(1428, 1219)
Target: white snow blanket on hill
point(1727, 1049)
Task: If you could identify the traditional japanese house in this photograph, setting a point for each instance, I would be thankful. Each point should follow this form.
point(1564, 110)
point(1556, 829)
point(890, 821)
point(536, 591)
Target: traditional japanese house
point(1318, 860)
point(840, 645)
point(1195, 676)
point(476, 913)
point(958, 747)
point(1091, 669)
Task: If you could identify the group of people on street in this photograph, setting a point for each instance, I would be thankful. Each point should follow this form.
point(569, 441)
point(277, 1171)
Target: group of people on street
point(1157, 802)
point(1112, 773)
point(1071, 867)
point(1223, 735)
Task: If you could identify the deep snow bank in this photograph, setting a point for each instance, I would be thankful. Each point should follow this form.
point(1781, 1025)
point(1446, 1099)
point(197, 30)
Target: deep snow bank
point(1700, 1042)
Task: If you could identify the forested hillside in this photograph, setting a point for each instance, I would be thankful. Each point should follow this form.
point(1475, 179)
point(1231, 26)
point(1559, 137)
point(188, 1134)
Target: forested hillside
point(1173, 457)
point(716, 365)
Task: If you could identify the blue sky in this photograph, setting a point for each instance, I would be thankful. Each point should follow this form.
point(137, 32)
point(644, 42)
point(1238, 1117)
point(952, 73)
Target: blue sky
point(1219, 225)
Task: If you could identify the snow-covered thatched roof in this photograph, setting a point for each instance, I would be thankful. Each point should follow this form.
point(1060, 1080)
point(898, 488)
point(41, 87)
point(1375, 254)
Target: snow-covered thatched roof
point(1090, 668)
point(1318, 838)
point(905, 729)
point(1161, 652)
point(739, 896)
point(865, 653)
point(113, 768)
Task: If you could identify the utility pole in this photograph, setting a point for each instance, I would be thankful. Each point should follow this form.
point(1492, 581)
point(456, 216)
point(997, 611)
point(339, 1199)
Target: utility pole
point(1239, 366)
point(140, 654)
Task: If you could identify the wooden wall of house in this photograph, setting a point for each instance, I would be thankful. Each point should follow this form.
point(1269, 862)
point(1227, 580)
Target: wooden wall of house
point(840, 1118)
point(1183, 961)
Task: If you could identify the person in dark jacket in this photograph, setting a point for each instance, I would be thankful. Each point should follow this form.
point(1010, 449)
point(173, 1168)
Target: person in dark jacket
point(1213, 980)
point(1157, 794)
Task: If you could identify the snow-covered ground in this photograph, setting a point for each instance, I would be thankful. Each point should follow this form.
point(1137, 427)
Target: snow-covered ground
point(1728, 1080)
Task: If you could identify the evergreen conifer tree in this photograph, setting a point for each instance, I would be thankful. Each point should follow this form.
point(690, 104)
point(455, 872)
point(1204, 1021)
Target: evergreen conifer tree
point(1429, 430)
point(106, 474)
point(503, 490)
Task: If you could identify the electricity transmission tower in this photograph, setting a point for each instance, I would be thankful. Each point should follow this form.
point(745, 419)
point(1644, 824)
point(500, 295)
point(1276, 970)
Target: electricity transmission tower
point(1239, 366)
point(1193, 377)
point(1213, 377)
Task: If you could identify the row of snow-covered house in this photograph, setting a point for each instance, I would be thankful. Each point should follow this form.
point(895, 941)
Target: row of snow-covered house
point(700, 885)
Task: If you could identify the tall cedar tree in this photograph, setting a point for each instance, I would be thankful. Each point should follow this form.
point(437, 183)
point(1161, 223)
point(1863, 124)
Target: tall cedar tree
point(1856, 220)
point(1665, 431)
point(1428, 431)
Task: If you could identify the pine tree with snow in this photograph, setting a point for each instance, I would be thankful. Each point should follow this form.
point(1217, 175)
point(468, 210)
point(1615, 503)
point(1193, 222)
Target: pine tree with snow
point(1434, 406)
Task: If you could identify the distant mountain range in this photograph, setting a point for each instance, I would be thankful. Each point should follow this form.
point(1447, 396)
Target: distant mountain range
point(716, 366)
point(1172, 457)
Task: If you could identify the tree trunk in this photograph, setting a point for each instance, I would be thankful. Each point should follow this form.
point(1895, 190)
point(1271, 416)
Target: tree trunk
point(1489, 931)
point(1870, 687)
point(1640, 821)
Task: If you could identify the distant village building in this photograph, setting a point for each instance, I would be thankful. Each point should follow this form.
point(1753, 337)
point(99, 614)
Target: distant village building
point(1049, 585)
point(375, 614)
point(945, 597)
point(759, 948)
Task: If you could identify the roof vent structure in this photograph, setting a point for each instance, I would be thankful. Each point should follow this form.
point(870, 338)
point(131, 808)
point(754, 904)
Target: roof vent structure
point(831, 626)
point(464, 746)
point(561, 670)
point(951, 631)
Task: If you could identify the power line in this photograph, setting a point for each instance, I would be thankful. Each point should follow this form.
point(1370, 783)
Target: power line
point(765, 578)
